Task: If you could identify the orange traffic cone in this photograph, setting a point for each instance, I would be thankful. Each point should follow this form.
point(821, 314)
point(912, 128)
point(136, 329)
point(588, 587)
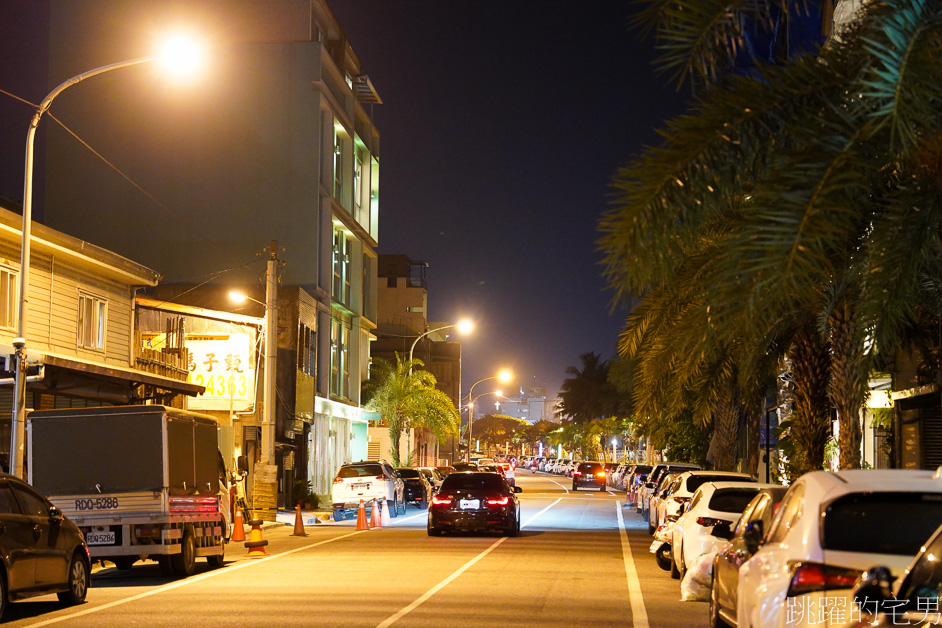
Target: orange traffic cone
point(256, 544)
point(238, 530)
point(362, 523)
point(298, 523)
point(385, 517)
point(374, 515)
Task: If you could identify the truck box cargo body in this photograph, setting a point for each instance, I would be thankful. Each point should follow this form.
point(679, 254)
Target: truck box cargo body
point(140, 481)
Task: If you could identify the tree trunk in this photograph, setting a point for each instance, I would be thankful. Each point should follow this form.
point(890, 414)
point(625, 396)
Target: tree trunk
point(394, 434)
point(848, 389)
point(811, 421)
point(725, 431)
point(754, 412)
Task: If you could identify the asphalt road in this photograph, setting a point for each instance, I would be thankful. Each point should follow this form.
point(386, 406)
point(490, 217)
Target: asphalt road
point(576, 562)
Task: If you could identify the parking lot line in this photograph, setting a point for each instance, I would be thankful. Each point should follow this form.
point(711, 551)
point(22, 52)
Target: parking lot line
point(639, 615)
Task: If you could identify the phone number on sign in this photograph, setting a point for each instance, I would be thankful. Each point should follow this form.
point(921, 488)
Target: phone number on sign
point(99, 503)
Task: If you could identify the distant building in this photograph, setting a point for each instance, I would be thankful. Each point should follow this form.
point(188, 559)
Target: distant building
point(530, 404)
point(402, 307)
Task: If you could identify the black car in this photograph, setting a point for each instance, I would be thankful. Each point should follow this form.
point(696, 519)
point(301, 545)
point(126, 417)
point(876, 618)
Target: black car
point(591, 474)
point(744, 540)
point(418, 491)
point(41, 550)
point(475, 500)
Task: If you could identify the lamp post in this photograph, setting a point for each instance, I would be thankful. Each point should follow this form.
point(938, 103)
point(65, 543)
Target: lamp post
point(504, 376)
point(470, 408)
point(170, 55)
point(465, 326)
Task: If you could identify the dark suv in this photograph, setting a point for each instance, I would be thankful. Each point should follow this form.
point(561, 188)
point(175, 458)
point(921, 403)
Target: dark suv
point(591, 474)
point(418, 490)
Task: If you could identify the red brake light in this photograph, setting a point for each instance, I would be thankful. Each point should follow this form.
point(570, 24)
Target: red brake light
point(337, 480)
point(441, 501)
point(380, 477)
point(709, 522)
point(680, 500)
point(600, 474)
point(577, 472)
point(503, 501)
point(809, 577)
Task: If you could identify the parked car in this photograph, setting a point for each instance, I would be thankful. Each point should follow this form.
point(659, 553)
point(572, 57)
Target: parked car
point(662, 492)
point(465, 466)
point(589, 474)
point(444, 471)
point(416, 488)
point(509, 473)
point(745, 537)
point(475, 501)
point(830, 527)
point(654, 478)
point(41, 550)
point(433, 476)
point(682, 491)
point(366, 481)
point(704, 525)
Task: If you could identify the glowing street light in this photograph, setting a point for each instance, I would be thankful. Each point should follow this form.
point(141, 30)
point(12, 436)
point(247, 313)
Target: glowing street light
point(503, 376)
point(169, 55)
point(464, 326)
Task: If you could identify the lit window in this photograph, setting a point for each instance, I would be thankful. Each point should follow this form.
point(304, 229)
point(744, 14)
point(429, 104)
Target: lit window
point(91, 322)
point(339, 358)
point(8, 300)
point(341, 267)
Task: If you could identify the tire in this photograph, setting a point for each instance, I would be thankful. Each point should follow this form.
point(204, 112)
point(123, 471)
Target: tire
point(217, 560)
point(184, 563)
point(675, 572)
point(166, 567)
point(4, 601)
point(715, 620)
point(79, 575)
point(434, 531)
point(403, 505)
point(574, 487)
point(394, 511)
point(513, 529)
point(663, 557)
point(601, 489)
point(683, 565)
point(423, 504)
point(124, 563)
point(652, 526)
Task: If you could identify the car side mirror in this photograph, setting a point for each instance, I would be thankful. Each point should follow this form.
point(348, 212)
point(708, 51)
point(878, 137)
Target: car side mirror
point(752, 536)
point(872, 589)
point(55, 514)
point(517, 489)
point(722, 531)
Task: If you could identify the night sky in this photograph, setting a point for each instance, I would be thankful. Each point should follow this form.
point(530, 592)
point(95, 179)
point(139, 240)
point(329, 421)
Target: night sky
point(502, 124)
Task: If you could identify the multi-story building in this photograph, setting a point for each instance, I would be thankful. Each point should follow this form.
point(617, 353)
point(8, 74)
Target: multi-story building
point(530, 404)
point(275, 142)
point(402, 308)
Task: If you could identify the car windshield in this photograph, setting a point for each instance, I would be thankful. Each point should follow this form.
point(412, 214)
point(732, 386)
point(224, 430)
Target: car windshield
point(473, 481)
point(590, 467)
point(859, 522)
point(408, 473)
point(696, 481)
point(360, 470)
point(465, 466)
point(731, 499)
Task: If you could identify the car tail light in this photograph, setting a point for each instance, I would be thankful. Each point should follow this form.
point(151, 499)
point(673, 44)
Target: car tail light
point(503, 501)
point(680, 500)
point(809, 577)
point(577, 472)
point(709, 522)
point(380, 477)
point(337, 480)
point(600, 474)
point(441, 501)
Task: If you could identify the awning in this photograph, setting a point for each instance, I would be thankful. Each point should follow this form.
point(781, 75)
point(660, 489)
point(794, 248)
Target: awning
point(124, 375)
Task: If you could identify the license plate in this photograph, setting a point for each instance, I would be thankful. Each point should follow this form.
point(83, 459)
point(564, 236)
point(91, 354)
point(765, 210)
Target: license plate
point(360, 485)
point(100, 538)
point(469, 504)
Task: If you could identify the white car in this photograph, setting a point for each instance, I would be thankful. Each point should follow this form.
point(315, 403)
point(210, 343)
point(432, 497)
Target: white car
point(509, 472)
point(829, 528)
point(433, 476)
point(687, 484)
point(366, 481)
point(713, 504)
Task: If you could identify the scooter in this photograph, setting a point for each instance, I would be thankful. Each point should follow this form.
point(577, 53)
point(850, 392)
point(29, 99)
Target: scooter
point(661, 546)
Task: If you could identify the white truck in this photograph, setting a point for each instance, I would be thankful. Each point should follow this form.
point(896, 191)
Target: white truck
point(140, 481)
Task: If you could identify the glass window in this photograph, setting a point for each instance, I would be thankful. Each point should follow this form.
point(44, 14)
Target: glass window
point(788, 513)
point(341, 267)
point(30, 503)
point(408, 473)
point(731, 499)
point(472, 481)
point(307, 349)
point(360, 470)
point(91, 322)
point(7, 502)
point(339, 358)
point(696, 481)
point(748, 514)
point(9, 303)
point(860, 522)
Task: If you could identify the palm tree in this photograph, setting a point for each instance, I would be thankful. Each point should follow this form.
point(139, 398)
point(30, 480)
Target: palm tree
point(587, 394)
point(821, 174)
point(406, 398)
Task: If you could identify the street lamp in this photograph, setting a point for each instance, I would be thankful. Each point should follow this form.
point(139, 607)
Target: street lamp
point(505, 375)
point(169, 55)
point(464, 326)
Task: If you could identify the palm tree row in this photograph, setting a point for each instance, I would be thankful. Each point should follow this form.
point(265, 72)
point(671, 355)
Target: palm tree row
point(792, 220)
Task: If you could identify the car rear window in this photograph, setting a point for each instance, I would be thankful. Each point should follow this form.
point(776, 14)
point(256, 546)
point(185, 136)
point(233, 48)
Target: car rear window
point(408, 473)
point(881, 523)
point(473, 481)
point(591, 467)
point(731, 499)
point(696, 481)
point(360, 470)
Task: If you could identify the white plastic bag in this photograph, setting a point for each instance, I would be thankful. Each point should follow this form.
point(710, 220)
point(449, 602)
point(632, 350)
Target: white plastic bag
point(697, 582)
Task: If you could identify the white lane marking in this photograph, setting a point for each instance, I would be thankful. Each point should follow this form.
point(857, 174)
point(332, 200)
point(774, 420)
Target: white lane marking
point(441, 585)
point(402, 518)
point(192, 580)
point(639, 615)
point(556, 483)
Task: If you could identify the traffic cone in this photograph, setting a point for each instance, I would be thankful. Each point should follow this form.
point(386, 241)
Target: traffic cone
point(298, 523)
point(256, 544)
point(628, 503)
point(374, 515)
point(238, 530)
point(362, 523)
point(385, 518)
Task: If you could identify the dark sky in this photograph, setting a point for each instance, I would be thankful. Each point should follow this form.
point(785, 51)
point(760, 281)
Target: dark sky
point(502, 125)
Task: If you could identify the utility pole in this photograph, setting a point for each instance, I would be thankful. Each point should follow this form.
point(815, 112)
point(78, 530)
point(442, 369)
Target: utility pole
point(271, 349)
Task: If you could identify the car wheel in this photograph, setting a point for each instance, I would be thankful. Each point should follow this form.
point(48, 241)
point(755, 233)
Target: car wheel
point(394, 511)
point(512, 529)
point(403, 504)
point(574, 487)
point(423, 504)
point(675, 572)
point(4, 602)
point(652, 525)
point(184, 563)
point(683, 565)
point(715, 620)
point(663, 557)
point(433, 531)
point(218, 560)
point(601, 488)
point(78, 582)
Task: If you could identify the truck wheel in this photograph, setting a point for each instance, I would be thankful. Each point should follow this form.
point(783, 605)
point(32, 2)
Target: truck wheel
point(218, 560)
point(184, 563)
point(166, 568)
point(78, 582)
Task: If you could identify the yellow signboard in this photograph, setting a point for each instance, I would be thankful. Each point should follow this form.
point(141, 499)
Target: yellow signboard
point(223, 365)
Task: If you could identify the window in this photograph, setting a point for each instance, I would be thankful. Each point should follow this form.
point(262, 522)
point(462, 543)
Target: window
point(30, 503)
point(307, 349)
point(91, 322)
point(857, 522)
point(341, 266)
point(358, 183)
point(8, 297)
point(789, 511)
point(339, 358)
point(338, 166)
